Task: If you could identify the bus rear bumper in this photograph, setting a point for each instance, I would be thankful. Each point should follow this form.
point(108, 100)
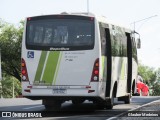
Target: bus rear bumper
point(59, 92)
point(91, 90)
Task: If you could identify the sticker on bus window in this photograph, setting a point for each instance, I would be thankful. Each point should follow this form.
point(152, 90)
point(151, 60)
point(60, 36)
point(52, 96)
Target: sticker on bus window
point(30, 54)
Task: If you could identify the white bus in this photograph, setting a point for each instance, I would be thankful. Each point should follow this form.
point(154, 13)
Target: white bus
point(77, 57)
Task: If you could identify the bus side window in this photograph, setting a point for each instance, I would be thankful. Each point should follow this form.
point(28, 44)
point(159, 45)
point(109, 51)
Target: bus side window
point(134, 49)
point(103, 39)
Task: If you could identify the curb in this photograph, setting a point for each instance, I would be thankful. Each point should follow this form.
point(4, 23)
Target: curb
point(112, 118)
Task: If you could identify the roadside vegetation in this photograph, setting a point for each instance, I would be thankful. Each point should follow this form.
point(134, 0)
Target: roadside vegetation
point(11, 87)
point(10, 45)
point(151, 78)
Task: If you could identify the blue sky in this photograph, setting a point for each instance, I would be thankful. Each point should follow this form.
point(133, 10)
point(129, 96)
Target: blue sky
point(122, 12)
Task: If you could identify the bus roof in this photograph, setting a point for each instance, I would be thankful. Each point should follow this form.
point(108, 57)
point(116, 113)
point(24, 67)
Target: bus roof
point(99, 18)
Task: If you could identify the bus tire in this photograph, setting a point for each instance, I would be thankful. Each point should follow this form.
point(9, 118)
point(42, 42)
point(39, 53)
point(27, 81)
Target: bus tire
point(100, 104)
point(77, 101)
point(127, 99)
point(110, 102)
point(53, 107)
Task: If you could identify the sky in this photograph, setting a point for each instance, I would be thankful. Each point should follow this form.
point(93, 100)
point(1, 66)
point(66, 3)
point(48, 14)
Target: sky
point(123, 12)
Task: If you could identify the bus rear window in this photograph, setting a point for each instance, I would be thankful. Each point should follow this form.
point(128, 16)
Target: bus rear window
point(57, 33)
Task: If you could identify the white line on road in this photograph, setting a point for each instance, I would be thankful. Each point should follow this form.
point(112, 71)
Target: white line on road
point(33, 107)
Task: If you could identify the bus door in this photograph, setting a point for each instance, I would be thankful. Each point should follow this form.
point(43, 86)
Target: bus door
point(129, 55)
point(109, 62)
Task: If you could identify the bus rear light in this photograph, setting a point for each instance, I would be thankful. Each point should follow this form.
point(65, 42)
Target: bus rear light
point(97, 64)
point(88, 86)
point(29, 86)
point(95, 78)
point(27, 90)
point(28, 18)
point(24, 70)
point(90, 91)
point(22, 64)
point(95, 72)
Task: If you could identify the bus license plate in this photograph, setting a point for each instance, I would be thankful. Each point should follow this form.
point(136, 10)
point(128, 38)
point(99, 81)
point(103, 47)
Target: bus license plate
point(59, 91)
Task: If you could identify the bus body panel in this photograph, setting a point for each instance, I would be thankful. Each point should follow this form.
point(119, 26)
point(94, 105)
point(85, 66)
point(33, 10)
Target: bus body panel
point(119, 75)
point(67, 71)
point(72, 68)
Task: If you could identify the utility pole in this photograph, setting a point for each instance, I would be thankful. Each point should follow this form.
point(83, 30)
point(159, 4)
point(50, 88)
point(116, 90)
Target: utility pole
point(134, 23)
point(88, 6)
point(13, 90)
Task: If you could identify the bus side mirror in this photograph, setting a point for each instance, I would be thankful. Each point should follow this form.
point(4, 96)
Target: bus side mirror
point(138, 43)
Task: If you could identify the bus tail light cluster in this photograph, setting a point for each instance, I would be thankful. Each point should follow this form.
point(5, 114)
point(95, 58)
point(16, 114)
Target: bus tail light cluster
point(95, 72)
point(24, 70)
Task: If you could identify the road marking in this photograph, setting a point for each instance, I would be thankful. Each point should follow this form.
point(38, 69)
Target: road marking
point(33, 107)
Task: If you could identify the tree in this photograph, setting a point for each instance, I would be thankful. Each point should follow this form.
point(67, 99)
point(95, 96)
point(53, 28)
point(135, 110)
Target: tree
point(7, 87)
point(150, 75)
point(147, 73)
point(156, 85)
point(10, 45)
point(158, 75)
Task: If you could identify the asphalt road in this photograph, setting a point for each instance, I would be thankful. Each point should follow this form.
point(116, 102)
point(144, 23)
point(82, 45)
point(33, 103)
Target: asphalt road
point(69, 111)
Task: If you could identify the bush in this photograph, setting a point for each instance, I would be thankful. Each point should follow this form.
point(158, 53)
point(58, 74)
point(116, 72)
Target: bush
point(7, 87)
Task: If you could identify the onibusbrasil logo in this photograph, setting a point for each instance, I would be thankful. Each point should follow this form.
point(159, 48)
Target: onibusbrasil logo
point(21, 114)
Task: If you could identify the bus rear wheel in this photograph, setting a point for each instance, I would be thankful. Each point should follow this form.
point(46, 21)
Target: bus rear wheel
point(77, 101)
point(100, 104)
point(110, 102)
point(127, 99)
point(52, 105)
point(55, 107)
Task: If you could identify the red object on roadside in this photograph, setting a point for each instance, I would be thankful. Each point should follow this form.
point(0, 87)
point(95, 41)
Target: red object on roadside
point(142, 89)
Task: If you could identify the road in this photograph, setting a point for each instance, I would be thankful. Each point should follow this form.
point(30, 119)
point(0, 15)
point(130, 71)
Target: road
point(71, 112)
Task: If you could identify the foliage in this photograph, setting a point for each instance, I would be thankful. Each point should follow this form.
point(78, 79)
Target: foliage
point(155, 89)
point(7, 87)
point(10, 45)
point(150, 76)
point(156, 85)
point(158, 75)
point(147, 73)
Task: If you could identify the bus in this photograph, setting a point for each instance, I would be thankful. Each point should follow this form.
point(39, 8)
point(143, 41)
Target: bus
point(77, 57)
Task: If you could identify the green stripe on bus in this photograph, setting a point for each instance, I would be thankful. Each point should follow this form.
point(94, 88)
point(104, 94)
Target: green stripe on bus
point(40, 66)
point(51, 66)
point(104, 67)
point(103, 60)
point(59, 61)
point(122, 70)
